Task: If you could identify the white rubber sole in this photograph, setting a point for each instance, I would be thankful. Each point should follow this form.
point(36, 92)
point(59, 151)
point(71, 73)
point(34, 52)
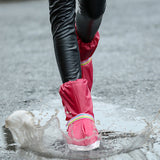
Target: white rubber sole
point(84, 148)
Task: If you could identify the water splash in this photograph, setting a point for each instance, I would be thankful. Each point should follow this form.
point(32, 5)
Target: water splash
point(45, 138)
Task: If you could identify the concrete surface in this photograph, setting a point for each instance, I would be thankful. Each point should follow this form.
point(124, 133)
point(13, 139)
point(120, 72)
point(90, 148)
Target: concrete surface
point(126, 62)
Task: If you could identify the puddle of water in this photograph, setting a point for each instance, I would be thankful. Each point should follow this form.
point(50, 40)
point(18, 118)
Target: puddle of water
point(124, 136)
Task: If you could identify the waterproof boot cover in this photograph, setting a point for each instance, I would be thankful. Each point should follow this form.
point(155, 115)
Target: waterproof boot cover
point(76, 99)
point(86, 51)
point(87, 71)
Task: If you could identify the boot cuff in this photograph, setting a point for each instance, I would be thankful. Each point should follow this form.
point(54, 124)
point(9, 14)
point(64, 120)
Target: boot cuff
point(76, 98)
point(87, 49)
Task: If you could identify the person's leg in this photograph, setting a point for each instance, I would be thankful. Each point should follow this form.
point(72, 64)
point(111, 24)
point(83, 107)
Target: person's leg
point(74, 91)
point(89, 17)
point(88, 20)
point(62, 18)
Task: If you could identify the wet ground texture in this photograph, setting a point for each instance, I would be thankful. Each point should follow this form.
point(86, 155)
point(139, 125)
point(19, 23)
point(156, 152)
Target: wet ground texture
point(126, 64)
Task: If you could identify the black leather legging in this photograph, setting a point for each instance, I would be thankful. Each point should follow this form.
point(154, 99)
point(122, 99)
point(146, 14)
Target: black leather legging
point(62, 18)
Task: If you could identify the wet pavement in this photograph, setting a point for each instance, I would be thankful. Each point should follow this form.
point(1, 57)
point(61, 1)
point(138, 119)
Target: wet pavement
point(126, 67)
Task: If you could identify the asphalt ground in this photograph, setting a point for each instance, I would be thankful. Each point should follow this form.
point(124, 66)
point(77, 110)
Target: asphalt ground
point(126, 62)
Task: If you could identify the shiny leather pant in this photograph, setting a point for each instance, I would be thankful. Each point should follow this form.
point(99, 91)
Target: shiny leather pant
point(63, 19)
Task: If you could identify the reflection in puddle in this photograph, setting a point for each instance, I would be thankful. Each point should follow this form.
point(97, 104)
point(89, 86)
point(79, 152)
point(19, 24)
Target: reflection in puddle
point(10, 144)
